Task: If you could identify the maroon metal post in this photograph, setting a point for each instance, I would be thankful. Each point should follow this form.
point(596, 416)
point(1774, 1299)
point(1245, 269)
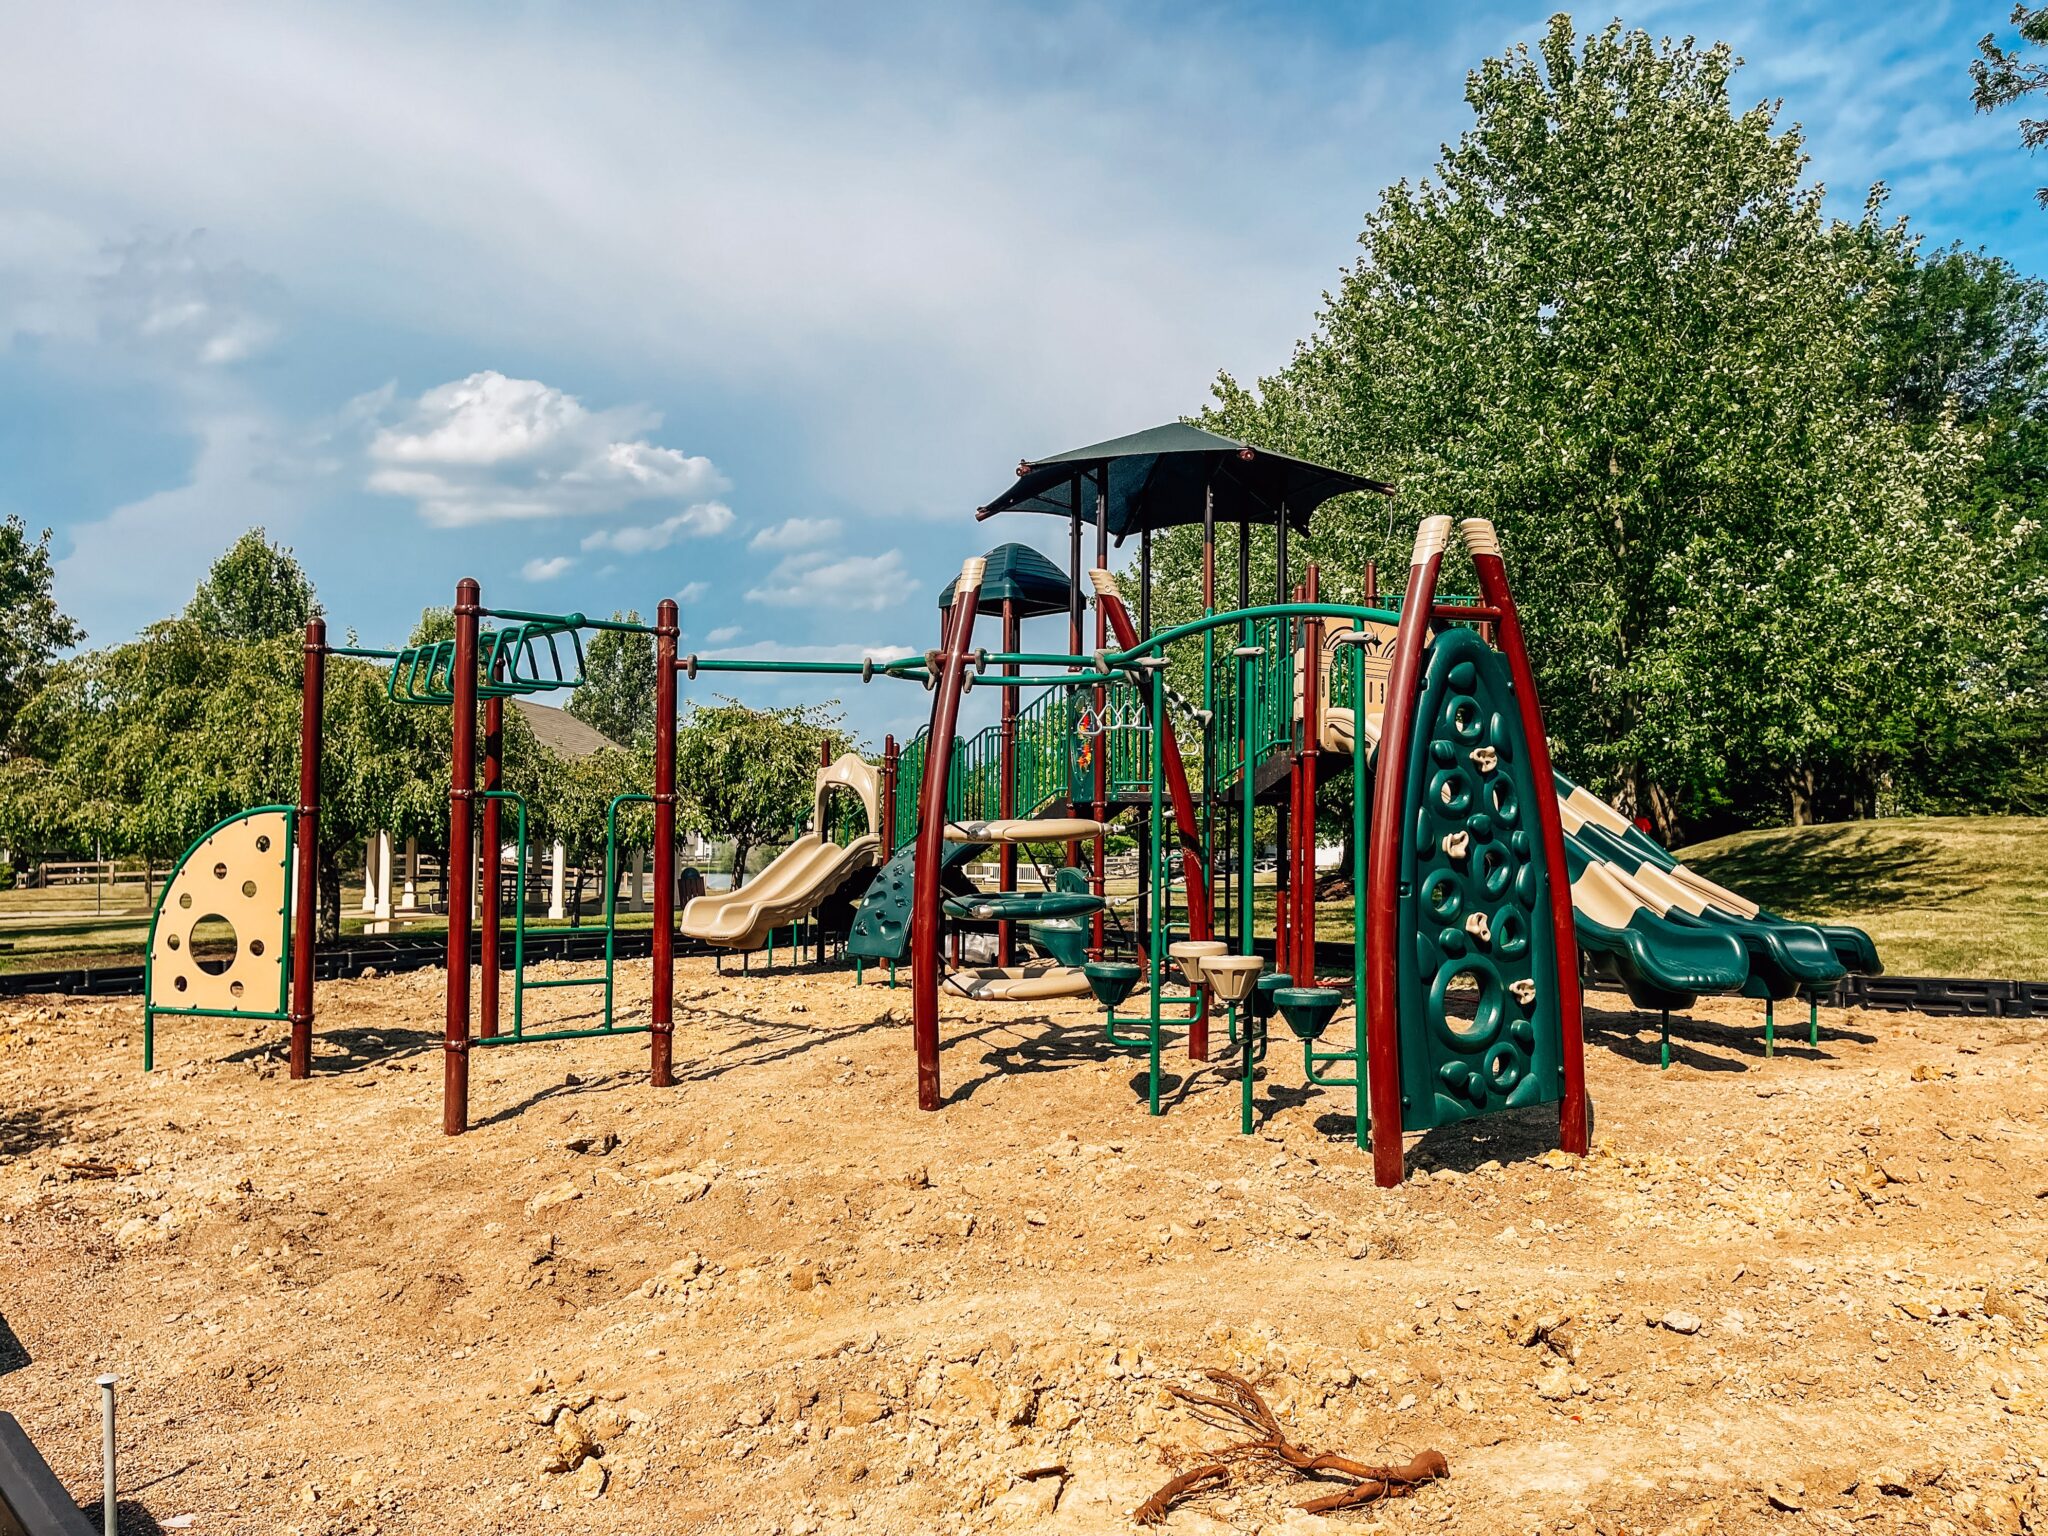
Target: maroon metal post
point(461, 861)
point(661, 1039)
point(1573, 1127)
point(1383, 858)
point(493, 872)
point(1006, 793)
point(306, 853)
point(931, 833)
point(890, 766)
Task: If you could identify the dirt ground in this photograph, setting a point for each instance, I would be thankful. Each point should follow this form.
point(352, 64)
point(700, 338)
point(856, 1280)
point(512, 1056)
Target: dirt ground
point(1805, 1293)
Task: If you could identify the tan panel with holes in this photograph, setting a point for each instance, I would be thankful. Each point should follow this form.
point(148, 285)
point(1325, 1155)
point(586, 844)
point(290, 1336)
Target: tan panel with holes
point(237, 872)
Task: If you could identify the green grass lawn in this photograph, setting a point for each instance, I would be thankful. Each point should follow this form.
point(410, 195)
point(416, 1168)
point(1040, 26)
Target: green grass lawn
point(1942, 895)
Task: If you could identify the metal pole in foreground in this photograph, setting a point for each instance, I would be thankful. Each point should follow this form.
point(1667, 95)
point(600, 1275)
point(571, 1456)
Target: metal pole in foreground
point(110, 1515)
point(931, 832)
point(306, 855)
point(461, 862)
point(662, 1026)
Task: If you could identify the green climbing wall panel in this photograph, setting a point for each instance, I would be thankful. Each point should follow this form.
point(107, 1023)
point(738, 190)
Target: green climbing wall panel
point(1478, 974)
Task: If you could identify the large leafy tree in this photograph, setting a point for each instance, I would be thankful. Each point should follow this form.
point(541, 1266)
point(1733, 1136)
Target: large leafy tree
point(617, 696)
point(1617, 322)
point(32, 628)
point(750, 774)
point(2001, 75)
point(256, 590)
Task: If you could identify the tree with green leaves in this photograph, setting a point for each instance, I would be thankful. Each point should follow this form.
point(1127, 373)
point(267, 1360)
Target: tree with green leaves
point(751, 774)
point(32, 628)
point(257, 590)
point(1617, 322)
point(2000, 75)
point(617, 696)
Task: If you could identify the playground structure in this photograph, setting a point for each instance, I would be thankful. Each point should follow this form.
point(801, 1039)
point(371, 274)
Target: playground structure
point(1478, 873)
point(240, 870)
point(800, 878)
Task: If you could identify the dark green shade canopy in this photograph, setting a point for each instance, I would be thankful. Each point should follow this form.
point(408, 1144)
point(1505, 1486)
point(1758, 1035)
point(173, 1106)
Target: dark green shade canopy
point(1020, 574)
point(1157, 479)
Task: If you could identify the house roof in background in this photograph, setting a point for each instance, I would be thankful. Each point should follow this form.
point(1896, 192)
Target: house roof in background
point(562, 733)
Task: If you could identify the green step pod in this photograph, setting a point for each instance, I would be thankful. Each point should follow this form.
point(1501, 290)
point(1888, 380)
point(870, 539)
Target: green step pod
point(1112, 981)
point(1262, 1000)
point(1308, 1010)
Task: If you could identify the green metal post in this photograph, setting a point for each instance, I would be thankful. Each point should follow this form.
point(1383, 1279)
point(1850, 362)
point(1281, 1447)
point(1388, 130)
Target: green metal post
point(1247, 687)
point(1251, 1028)
point(1663, 1039)
point(1358, 852)
point(1157, 936)
point(1770, 1027)
point(611, 893)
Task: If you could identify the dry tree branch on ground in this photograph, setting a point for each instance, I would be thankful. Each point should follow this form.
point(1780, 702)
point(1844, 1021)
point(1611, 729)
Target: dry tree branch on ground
point(1239, 1409)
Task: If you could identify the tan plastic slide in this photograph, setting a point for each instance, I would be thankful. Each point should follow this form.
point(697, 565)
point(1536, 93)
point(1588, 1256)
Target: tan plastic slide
point(801, 877)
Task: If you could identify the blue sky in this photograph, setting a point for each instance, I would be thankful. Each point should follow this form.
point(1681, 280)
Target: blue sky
point(751, 304)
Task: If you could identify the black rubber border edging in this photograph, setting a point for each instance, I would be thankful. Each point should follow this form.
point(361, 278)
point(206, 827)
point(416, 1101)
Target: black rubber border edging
point(1949, 996)
point(32, 1500)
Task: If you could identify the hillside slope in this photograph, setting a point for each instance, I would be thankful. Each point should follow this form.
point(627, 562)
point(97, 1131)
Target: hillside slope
point(1942, 895)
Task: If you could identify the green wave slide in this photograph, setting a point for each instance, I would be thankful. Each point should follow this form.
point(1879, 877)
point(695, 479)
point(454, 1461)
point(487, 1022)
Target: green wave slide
point(1667, 933)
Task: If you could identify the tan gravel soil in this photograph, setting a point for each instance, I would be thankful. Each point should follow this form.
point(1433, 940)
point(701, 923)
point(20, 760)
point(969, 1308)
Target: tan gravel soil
point(1798, 1294)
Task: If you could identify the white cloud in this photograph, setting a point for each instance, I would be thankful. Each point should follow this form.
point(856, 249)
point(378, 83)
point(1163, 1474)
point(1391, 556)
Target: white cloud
point(692, 591)
point(489, 448)
point(700, 521)
point(546, 569)
point(660, 214)
point(823, 579)
point(796, 533)
point(725, 634)
point(166, 296)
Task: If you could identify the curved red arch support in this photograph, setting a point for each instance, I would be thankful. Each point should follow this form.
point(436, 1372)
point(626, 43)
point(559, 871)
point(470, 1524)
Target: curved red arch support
point(931, 831)
point(1574, 1128)
point(1383, 861)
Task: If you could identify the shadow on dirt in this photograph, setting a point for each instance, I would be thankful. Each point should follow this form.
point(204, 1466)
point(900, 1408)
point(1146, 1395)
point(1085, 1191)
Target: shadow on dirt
point(13, 1353)
point(30, 1127)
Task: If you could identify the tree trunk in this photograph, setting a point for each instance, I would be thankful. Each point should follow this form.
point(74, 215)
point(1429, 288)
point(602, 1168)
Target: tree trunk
point(1642, 796)
point(740, 850)
point(327, 922)
point(1799, 790)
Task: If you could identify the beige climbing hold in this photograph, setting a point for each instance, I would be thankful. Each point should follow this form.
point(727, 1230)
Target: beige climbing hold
point(1488, 758)
point(1479, 926)
point(1524, 990)
point(1457, 844)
